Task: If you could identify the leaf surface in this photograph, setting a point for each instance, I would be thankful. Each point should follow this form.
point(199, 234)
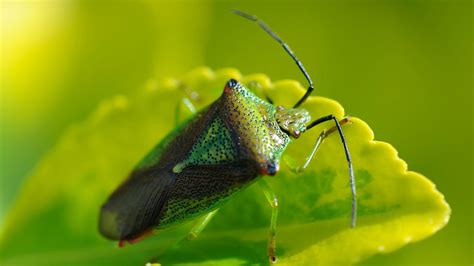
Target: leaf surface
point(54, 219)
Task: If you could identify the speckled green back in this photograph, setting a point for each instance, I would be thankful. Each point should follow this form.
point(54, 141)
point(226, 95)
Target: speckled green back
point(241, 142)
point(198, 166)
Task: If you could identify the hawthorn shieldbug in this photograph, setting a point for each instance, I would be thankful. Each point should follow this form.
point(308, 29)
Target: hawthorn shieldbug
point(219, 151)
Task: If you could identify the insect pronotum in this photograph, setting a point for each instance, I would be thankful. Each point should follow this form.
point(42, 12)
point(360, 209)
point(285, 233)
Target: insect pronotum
point(219, 151)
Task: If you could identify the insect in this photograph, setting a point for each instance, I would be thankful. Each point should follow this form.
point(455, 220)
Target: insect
point(220, 150)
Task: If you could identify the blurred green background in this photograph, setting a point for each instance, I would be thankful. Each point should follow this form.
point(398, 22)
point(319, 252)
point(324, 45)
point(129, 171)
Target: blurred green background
point(405, 67)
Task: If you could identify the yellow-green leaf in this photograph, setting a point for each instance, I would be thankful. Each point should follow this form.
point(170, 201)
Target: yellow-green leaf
point(54, 219)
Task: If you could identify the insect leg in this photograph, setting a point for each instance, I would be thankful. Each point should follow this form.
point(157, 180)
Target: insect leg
point(200, 225)
point(325, 133)
point(273, 201)
point(189, 106)
point(346, 150)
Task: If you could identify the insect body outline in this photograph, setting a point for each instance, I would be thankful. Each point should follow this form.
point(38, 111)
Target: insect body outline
point(222, 149)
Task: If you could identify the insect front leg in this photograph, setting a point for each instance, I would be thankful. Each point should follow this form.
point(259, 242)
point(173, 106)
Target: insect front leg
point(273, 201)
point(189, 106)
point(200, 225)
point(324, 134)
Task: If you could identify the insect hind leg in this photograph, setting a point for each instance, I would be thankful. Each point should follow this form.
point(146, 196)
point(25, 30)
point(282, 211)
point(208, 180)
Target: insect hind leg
point(273, 201)
point(200, 225)
point(325, 133)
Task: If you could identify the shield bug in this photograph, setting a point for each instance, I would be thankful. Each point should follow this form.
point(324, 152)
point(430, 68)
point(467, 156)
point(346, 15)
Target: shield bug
point(219, 151)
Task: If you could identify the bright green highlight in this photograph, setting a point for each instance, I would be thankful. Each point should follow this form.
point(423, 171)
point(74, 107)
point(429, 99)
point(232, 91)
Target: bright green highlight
point(396, 206)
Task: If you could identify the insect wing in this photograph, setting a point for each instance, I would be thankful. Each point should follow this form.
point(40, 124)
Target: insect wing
point(201, 188)
point(136, 205)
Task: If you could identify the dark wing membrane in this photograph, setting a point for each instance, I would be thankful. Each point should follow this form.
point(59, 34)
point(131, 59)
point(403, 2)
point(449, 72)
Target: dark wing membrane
point(200, 188)
point(136, 205)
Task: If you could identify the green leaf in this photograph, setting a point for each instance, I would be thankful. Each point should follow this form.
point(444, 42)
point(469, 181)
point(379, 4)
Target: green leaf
point(54, 219)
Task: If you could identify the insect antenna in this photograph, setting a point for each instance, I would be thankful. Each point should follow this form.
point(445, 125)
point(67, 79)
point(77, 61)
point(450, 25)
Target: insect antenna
point(287, 49)
point(348, 159)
